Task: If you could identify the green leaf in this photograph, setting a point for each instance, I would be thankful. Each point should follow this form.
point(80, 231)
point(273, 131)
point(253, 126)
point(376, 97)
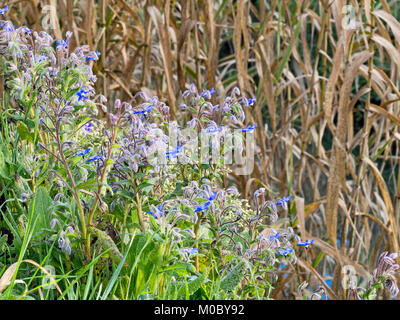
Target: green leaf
point(146, 187)
point(139, 175)
point(23, 132)
point(179, 268)
point(371, 295)
point(87, 185)
point(193, 285)
point(71, 93)
point(233, 278)
point(105, 242)
point(3, 166)
point(42, 202)
point(287, 53)
point(146, 296)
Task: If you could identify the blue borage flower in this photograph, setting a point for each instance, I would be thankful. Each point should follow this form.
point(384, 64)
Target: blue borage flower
point(88, 127)
point(207, 93)
point(159, 208)
point(82, 94)
point(173, 153)
point(213, 196)
point(91, 57)
point(285, 252)
point(305, 243)
point(251, 101)
point(61, 44)
point(4, 10)
point(283, 200)
point(276, 236)
point(27, 31)
point(148, 109)
point(247, 102)
point(94, 158)
point(250, 128)
point(207, 204)
point(203, 207)
point(82, 153)
point(190, 250)
point(40, 58)
point(6, 26)
point(213, 130)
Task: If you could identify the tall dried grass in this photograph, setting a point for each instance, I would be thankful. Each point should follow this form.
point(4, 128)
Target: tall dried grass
point(327, 111)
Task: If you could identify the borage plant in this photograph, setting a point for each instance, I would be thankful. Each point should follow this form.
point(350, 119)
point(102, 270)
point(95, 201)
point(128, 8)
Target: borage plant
point(137, 205)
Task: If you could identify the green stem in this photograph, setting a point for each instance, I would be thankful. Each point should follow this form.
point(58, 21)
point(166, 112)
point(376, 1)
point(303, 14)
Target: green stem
point(101, 184)
point(74, 190)
point(139, 212)
point(196, 244)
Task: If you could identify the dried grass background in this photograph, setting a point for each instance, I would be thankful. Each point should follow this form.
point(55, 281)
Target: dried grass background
point(327, 111)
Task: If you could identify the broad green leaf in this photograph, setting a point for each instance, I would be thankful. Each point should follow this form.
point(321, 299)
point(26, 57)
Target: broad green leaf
point(105, 242)
point(233, 278)
point(24, 133)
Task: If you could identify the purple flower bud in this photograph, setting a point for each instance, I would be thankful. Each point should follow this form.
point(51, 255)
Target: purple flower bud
point(61, 242)
point(113, 119)
point(117, 104)
point(193, 89)
point(236, 91)
point(67, 248)
point(53, 223)
point(232, 190)
point(57, 197)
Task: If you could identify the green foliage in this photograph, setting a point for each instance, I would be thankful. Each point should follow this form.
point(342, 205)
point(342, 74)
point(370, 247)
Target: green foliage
point(233, 278)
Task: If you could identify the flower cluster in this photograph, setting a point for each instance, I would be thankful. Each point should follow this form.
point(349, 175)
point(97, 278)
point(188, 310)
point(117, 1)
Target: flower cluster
point(385, 272)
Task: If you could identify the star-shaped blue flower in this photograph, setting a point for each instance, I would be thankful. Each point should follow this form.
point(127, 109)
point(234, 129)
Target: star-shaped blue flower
point(250, 128)
point(148, 109)
point(94, 158)
point(285, 252)
point(82, 153)
point(173, 153)
point(281, 201)
point(305, 243)
point(82, 94)
point(4, 10)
